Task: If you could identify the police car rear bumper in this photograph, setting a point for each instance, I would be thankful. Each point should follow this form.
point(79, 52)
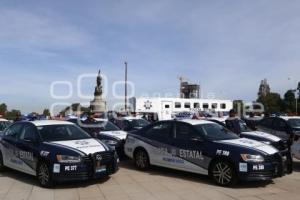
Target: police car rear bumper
point(274, 166)
point(89, 168)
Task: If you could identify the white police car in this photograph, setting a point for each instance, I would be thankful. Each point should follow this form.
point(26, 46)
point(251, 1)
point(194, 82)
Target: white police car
point(204, 147)
point(55, 151)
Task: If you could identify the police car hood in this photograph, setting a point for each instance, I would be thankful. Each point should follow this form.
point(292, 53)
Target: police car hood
point(117, 134)
point(252, 144)
point(87, 146)
point(262, 135)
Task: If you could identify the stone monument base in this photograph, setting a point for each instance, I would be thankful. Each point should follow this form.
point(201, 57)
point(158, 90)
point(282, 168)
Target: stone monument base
point(98, 105)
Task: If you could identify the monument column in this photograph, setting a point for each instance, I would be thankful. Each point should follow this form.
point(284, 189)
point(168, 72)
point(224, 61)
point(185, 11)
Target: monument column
point(98, 105)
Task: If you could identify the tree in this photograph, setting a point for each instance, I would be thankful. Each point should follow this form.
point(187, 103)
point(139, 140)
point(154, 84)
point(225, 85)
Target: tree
point(3, 109)
point(289, 101)
point(272, 102)
point(11, 115)
point(46, 112)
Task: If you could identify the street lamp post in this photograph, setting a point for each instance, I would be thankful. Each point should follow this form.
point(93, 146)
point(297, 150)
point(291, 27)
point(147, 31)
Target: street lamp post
point(296, 97)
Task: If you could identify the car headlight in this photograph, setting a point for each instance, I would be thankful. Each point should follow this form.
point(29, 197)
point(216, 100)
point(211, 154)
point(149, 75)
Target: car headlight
point(110, 142)
point(252, 158)
point(68, 159)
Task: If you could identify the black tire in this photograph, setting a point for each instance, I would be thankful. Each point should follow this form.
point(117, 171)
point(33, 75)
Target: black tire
point(141, 159)
point(44, 175)
point(223, 173)
point(2, 167)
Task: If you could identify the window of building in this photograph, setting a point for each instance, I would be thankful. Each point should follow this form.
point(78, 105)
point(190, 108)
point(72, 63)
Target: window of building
point(205, 106)
point(167, 106)
point(223, 105)
point(187, 105)
point(196, 105)
point(177, 105)
point(214, 106)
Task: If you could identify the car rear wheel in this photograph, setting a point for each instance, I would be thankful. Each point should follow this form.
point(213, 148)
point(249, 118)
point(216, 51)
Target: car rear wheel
point(141, 159)
point(223, 173)
point(44, 175)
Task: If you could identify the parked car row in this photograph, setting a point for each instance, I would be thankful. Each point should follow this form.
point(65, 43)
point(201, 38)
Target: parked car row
point(84, 149)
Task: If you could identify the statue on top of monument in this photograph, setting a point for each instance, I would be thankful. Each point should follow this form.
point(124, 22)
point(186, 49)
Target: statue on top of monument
point(98, 88)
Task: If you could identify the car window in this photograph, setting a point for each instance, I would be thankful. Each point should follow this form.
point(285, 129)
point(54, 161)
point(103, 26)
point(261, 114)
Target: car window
point(28, 132)
point(280, 125)
point(294, 123)
point(108, 126)
point(13, 130)
point(62, 132)
point(4, 125)
point(160, 131)
point(185, 132)
point(267, 122)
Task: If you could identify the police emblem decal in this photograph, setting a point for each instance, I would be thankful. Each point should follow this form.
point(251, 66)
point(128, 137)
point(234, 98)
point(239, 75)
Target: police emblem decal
point(148, 105)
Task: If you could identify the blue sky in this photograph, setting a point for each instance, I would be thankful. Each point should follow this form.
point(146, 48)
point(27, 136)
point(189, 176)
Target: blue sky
point(226, 46)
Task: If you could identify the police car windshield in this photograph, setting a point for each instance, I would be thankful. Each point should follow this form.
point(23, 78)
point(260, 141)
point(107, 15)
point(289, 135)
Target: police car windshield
point(138, 122)
point(51, 133)
point(294, 123)
point(4, 125)
point(214, 131)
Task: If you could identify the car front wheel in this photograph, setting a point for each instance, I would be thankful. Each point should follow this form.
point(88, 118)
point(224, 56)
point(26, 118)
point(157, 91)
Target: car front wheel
point(44, 175)
point(223, 173)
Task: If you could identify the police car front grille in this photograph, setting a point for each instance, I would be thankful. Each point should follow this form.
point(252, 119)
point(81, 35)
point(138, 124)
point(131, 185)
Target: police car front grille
point(74, 175)
point(261, 174)
point(106, 156)
point(273, 158)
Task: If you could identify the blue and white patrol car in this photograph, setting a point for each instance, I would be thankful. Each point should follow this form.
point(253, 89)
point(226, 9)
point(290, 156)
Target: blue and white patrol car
point(204, 147)
point(55, 151)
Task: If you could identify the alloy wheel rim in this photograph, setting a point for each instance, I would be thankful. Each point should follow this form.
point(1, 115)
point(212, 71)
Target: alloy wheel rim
point(43, 174)
point(222, 173)
point(141, 160)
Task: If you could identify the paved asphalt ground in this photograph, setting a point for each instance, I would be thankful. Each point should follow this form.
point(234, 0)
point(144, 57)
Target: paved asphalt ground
point(157, 183)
